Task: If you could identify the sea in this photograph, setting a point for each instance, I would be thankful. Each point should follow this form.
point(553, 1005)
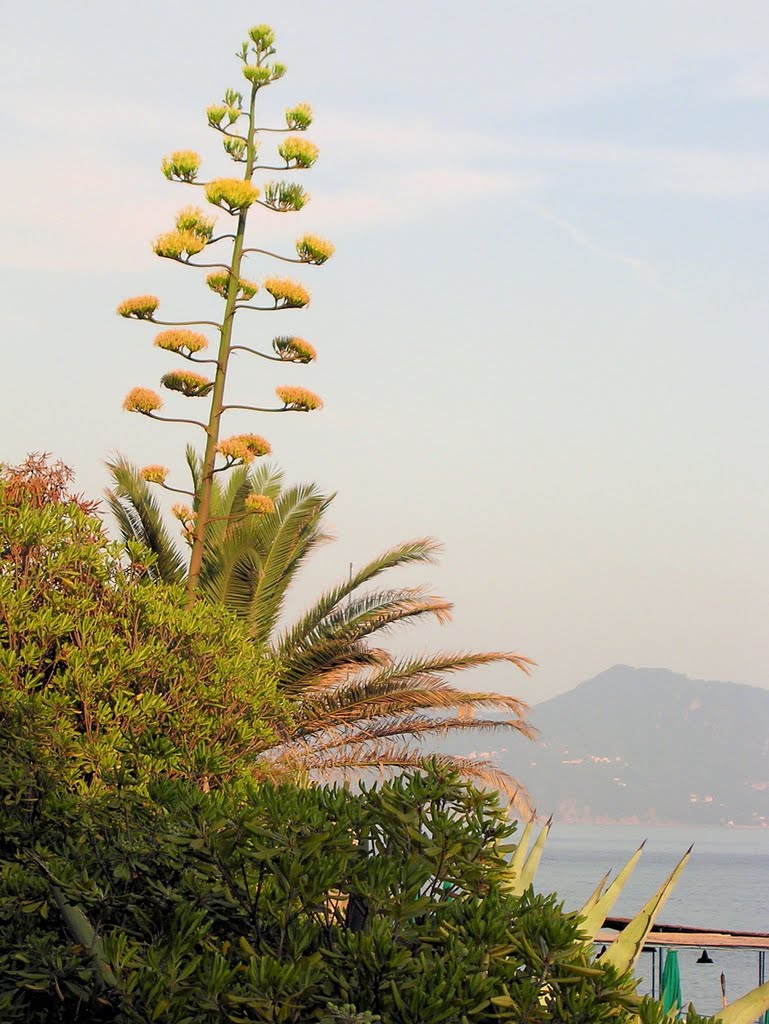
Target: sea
point(725, 885)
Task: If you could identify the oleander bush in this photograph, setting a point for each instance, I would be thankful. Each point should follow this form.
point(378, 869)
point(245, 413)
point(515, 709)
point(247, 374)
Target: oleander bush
point(106, 674)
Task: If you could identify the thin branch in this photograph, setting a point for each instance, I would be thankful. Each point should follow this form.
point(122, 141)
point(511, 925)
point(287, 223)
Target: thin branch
point(218, 238)
point(177, 490)
point(255, 352)
point(192, 359)
point(268, 206)
point(266, 309)
point(205, 266)
point(254, 408)
point(287, 167)
point(286, 259)
point(184, 323)
point(174, 419)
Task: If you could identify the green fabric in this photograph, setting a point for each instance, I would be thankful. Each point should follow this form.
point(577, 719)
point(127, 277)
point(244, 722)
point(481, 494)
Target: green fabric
point(671, 982)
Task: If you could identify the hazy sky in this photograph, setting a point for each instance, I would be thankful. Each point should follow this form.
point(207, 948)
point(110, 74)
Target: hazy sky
point(543, 338)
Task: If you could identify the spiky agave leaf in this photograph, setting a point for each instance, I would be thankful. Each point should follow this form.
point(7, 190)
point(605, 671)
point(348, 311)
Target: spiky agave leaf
point(747, 1008)
point(595, 915)
point(518, 858)
point(528, 871)
point(626, 948)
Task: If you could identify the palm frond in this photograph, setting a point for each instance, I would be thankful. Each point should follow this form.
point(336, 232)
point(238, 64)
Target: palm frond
point(393, 757)
point(424, 550)
point(413, 726)
point(358, 702)
point(139, 517)
point(195, 466)
point(323, 649)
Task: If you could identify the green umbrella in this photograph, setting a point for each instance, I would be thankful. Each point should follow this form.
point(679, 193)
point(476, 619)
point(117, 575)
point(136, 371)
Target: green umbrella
point(671, 983)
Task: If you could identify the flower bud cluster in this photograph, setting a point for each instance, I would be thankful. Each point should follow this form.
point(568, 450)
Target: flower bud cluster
point(142, 307)
point(311, 249)
point(154, 474)
point(178, 245)
point(218, 281)
point(142, 400)
point(232, 194)
point(298, 152)
point(294, 350)
point(260, 504)
point(243, 448)
point(182, 341)
point(299, 399)
point(299, 118)
point(190, 384)
point(287, 293)
point(285, 196)
point(182, 165)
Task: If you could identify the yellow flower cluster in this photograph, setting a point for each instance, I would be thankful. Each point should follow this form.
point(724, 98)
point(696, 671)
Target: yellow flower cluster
point(190, 384)
point(299, 118)
point(301, 152)
point(262, 36)
point(232, 194)
point(286, 291)
point(312, 249)
point(261, 504)
point(299, 399)
point(257, 75)
point(142, 400)
point(180, 341)
point(182, 512)
point(243, 447)
point(174, 244)
point(192, 218)
point(218, 281)
point(217, 112)
point(155, 474)
point(183, 165)
point(142, 307)
point(187, 518)
point(294, 350)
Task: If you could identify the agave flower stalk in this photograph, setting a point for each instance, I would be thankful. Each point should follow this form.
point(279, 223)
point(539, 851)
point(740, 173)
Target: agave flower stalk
point(193, 232)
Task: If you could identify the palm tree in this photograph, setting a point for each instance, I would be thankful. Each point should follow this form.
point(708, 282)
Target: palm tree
point(356, 708)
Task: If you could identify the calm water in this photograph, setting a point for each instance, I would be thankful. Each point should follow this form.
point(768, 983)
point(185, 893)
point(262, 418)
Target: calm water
point(725, 885)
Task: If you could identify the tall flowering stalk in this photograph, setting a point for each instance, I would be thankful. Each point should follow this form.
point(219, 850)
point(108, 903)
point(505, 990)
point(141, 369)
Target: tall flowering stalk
point(192, 235)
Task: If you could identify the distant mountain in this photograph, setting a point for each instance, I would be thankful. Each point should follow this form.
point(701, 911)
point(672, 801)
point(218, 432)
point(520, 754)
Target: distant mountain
point(647, 745)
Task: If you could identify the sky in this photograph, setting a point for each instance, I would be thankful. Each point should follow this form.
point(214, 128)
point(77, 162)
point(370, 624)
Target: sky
point(542, 339)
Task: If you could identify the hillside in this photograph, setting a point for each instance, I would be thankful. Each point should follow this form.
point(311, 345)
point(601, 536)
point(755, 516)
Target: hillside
point(648, 745)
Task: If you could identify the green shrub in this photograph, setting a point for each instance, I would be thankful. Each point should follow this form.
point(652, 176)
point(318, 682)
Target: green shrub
point(287, 904)
point(103, 673)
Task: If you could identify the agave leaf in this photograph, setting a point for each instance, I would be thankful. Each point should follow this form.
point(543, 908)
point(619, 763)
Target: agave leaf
point(625, 950)
point(747, 1008)
point(595, 895)
point(519, 854)
point(525, 876)
point(81, 930)
point(596, 915)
